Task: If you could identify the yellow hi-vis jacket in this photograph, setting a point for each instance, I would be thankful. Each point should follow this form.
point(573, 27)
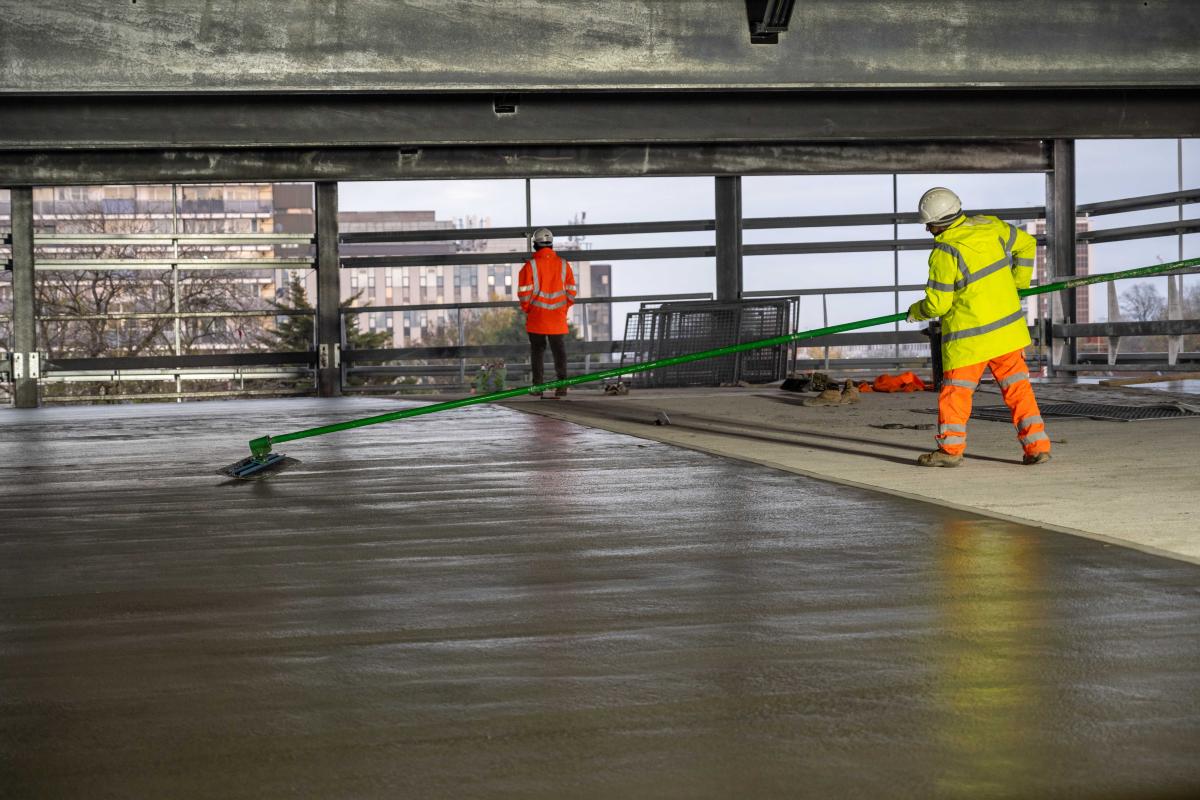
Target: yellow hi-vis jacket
point(975, 269)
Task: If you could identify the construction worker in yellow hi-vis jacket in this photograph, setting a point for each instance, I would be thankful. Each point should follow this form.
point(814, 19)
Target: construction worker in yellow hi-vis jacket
point(975, 269)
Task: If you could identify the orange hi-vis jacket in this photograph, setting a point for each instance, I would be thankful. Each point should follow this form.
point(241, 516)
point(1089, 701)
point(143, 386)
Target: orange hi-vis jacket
point(546, 289)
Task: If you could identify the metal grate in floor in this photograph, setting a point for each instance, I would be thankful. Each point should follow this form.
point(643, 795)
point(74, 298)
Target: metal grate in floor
point(1094, 411)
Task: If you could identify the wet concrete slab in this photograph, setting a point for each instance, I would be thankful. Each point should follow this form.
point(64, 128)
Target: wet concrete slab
point(1135, 484)
point(487, 603)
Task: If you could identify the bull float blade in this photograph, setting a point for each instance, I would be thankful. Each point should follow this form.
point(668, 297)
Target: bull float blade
point(254, 467)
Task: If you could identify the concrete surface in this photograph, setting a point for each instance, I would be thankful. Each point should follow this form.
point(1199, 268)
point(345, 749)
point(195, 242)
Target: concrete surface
point(486, 603)
point(1132, 483)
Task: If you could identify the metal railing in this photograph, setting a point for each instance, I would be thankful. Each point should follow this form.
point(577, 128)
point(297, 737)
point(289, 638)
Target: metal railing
point(382, 362)
point(894, 338)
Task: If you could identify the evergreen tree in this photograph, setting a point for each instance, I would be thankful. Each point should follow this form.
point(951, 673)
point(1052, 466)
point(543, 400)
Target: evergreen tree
point(295, 332)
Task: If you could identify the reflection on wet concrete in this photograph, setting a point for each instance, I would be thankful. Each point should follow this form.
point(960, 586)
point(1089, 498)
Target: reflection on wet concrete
point(487, 603)
point(989, 646)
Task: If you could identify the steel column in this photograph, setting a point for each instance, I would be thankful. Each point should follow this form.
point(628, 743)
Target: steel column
point(24, 330)
point(729, 238)
point(1061, 242)
point(329, 320)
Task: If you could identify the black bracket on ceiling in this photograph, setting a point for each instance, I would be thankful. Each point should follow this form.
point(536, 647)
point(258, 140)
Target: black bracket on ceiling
point(768, 19)
point(505, 104)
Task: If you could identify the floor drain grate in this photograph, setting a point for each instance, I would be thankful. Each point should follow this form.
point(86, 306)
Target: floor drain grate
point(1094, 411)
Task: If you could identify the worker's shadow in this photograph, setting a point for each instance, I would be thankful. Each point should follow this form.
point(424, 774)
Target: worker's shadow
point(775, 434)
point(799, 401)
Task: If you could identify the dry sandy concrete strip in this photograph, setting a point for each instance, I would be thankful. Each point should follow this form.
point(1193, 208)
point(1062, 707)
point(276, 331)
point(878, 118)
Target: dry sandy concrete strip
point(1132, 483)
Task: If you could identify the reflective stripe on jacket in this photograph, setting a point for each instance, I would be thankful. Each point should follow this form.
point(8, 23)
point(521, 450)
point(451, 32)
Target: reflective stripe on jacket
point(546, 289)
point(975, 269)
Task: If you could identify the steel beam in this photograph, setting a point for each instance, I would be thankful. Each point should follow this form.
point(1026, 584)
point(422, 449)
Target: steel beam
point(1153, 230)
point(1122, 205)
point(728, 204)
point(574, 347)
point(570, 120)
point(329, 319)
point(1158, 327)
point(258, 163)
point(183, 362)
point(576, 119)
point(671, 226)
point(24, 331)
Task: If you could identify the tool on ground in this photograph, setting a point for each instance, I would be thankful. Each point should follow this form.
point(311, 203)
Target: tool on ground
point(1159, 378)
point(262, 459)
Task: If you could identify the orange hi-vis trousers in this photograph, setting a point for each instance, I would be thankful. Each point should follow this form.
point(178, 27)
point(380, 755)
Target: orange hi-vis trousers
point(958, 390)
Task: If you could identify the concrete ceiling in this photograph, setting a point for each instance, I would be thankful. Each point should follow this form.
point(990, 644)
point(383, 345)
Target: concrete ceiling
point(526, 45)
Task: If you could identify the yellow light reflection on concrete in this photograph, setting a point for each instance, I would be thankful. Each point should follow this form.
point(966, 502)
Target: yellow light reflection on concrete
point(988, 664)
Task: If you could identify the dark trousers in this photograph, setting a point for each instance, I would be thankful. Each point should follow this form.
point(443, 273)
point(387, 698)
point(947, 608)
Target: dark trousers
point(537, 354)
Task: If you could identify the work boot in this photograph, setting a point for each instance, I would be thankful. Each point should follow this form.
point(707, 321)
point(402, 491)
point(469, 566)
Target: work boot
point(1035, 459)
point(850, 393)
point(829, 397)
point(560, 391)
point(939, 458)
point(535, 394)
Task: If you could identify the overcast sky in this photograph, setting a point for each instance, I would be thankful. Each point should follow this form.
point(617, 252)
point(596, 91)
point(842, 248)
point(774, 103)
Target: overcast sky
point(1105, 170)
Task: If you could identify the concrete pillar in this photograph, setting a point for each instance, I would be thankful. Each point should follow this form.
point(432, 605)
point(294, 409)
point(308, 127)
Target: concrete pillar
point(1174, 311)
point(24, 329)
point(1060, 244)
point(329, 293)
point(1114, 315)
point(729, 238)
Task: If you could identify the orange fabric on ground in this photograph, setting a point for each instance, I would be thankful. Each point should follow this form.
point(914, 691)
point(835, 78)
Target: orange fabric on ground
point(904, 382)
point(958, 391)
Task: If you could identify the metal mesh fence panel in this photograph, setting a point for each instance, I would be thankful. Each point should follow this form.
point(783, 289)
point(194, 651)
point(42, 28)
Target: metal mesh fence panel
point(675, 329)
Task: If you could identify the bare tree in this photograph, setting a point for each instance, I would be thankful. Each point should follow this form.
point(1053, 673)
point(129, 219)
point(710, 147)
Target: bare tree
point(75, 308)
point(1142, 302)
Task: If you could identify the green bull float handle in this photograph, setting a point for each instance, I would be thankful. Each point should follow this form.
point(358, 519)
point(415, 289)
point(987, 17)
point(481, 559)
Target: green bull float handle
point(260, 447)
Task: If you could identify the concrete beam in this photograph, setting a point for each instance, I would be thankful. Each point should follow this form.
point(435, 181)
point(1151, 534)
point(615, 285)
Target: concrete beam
point(79, 167)
point(462, 45)
point(614, 118)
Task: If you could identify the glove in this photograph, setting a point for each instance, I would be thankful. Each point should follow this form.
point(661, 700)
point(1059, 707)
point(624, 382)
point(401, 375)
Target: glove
point(910, 317)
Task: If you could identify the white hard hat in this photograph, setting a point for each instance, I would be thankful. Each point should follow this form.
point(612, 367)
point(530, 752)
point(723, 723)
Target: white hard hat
point(939, 206)
point(543, 236)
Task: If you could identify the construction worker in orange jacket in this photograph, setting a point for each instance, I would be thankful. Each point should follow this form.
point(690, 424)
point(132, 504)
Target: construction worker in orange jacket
point(975, 269)
point(546, 289)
